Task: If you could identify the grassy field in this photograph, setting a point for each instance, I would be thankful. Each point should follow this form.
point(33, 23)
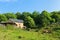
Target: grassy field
point(10, 33)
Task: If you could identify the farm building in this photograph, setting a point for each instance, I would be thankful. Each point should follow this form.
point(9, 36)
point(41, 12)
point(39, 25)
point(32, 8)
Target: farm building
point(16, 22)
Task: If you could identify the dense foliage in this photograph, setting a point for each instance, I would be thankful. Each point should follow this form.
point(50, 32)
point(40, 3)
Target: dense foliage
point(35, 19)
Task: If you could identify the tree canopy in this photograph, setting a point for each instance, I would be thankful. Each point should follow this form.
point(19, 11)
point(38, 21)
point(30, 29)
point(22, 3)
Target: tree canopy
point(34, 19)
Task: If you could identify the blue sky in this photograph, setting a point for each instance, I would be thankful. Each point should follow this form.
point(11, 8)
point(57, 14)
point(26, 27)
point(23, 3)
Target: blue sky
point(29, 5)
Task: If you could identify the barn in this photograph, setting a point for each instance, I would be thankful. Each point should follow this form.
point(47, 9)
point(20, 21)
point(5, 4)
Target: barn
point(16, 22)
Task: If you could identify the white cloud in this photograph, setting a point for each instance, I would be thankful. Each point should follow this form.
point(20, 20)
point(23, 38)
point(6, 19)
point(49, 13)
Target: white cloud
point(8, 0)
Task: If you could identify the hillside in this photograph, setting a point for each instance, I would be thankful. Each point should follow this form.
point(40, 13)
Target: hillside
point(10, 33)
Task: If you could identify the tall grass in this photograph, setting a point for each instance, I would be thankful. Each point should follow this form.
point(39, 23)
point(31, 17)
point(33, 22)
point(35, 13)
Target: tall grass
point(11, 33)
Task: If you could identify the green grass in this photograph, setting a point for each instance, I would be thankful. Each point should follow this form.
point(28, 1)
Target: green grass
point(10, 33)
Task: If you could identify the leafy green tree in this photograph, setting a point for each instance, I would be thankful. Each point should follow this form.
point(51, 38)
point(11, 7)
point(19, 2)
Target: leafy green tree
point(45, 18)
point(46, 14)
point(3, 17)
point(25, 14)
point(10, 15)
point(29, 22)
point(56, 16)
point(35, 15)
point(18, 14)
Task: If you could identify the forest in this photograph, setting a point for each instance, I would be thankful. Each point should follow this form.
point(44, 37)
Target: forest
point(34, 19)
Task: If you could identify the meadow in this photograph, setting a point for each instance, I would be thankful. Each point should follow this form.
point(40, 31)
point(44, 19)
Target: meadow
point(10, 33)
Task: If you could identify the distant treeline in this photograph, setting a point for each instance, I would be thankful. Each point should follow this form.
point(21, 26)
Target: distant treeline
point(34, 19)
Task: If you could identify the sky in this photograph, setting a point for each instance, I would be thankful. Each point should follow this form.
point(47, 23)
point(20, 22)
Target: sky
point(29, 5)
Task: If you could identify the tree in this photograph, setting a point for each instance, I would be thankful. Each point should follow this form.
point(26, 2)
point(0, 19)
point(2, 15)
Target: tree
point(3, 17)
point(18, 14)
point(25, 14)
point(35, 15)
point(10, 15)
point(45, 18)
point(29, 22)
point(56, 16)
